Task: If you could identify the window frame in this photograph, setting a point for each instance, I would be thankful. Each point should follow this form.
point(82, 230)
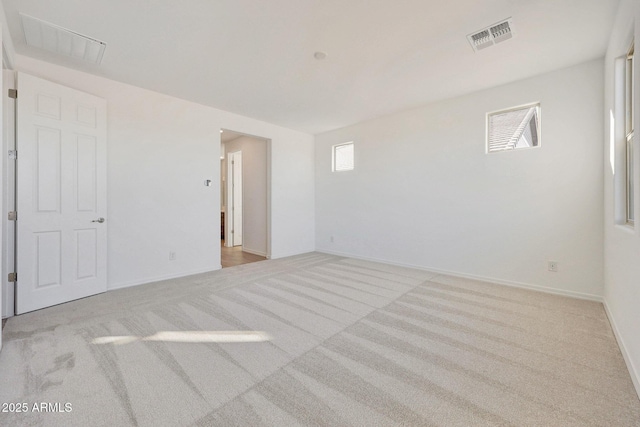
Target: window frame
point(536, 104)
point(629, 107)
point(334, 157)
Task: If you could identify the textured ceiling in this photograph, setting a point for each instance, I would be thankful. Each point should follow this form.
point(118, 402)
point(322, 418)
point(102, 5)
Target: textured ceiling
point(255, 57)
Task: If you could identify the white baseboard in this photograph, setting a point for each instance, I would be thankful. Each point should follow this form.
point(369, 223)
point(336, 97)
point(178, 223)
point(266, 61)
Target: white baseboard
point(251, 251)
point(131, 283)
point(563, 292)
point(633, 372)
point(288, 254)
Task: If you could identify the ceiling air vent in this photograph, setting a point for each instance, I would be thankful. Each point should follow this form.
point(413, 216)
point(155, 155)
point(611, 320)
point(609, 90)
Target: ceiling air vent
point(489, 36)
point(50, 37)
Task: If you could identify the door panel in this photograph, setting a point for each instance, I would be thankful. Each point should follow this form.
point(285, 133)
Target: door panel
point(237, 199)
point(86, 178)
point(61, 180)
point(48, 258)
point(48, 106)
point(86, 115)
point(48, 152)
point(86, 254)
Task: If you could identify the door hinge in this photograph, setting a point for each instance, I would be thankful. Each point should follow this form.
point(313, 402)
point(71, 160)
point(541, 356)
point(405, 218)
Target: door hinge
point(13, 277)
point(13, 93)
point(13, 154)
point(13, 215)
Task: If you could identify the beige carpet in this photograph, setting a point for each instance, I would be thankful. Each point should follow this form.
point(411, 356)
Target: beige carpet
point(317, 340)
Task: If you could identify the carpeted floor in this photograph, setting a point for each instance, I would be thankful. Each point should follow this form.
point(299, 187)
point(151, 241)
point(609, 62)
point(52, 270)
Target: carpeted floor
point(316, 340)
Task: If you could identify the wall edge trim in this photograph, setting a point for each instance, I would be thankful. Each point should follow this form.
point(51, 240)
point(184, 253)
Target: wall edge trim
point(255, 252)
point(633, 372)
point(532, 287)
point(288, 254)
point(128, 284)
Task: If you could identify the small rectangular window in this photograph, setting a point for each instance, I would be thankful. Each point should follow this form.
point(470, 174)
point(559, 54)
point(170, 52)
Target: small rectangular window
point(343, 155)
point(629, 128)
point(513, 128)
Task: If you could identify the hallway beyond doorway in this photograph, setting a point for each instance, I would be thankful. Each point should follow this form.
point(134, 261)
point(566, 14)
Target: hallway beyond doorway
point(235, 256)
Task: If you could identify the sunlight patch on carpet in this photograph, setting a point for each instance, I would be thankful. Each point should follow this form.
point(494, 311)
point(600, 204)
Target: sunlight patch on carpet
point(190, 337)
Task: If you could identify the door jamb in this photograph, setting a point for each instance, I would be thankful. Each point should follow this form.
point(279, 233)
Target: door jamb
point(229, 214)
point(9, 194)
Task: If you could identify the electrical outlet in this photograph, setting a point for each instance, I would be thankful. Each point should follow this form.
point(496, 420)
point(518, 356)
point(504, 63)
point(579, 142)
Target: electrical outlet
point(553, 266)
point(172, 256)
point(331, 239)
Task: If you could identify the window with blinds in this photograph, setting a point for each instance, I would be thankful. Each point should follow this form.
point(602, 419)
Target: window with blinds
point(629, 128)
point(513, 128)
point(343, 157)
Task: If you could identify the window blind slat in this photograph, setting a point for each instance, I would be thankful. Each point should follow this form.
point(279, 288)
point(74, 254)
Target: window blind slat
point(512, 129)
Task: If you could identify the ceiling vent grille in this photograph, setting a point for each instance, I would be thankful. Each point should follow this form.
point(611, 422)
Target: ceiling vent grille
point(489, 36)
point(45, 35)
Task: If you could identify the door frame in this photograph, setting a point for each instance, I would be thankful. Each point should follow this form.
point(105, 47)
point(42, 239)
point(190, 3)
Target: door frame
point(229, 220)
point(223, 182)
point(8, 194)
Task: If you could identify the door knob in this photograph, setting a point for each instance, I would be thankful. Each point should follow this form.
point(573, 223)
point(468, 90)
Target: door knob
point(100, 220)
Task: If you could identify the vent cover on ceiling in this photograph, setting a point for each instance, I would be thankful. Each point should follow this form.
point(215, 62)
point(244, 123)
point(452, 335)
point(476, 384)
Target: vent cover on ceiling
point(50, 37)
point(489, 36)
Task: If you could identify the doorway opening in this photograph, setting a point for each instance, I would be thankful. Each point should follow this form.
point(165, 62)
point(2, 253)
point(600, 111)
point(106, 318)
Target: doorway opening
point(244, 198)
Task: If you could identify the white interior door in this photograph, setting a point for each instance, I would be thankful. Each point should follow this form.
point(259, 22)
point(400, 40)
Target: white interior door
point(61, 197)
point(234, 202)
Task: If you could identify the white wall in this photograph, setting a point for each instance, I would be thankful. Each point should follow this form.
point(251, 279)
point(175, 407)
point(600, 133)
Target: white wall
point(622, 244)
point(161, 150)
point(254, 192)
point(3, 271)
point(424, 193)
